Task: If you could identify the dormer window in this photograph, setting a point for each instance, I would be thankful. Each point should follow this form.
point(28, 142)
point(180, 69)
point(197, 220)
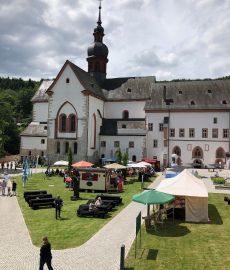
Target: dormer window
point(128, 90)
point(180, 92)
point(224, 102)
point(192, 103)
point(209, 91)
point(67, 80)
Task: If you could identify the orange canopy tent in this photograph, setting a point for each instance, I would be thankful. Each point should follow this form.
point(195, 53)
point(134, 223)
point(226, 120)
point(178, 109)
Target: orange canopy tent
point(82, 163)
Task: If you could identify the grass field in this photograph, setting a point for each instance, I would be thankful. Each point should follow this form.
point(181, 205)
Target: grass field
point(182, 245)
point(70, 230)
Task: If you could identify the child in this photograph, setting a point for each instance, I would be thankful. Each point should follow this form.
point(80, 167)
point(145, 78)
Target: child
point(14, 187)
point(9, 193)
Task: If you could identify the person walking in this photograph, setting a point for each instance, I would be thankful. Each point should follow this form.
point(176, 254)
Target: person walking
point(14, 187)
point(58, 204)
point(45, 254)
point(3, 188)
point(6, 177)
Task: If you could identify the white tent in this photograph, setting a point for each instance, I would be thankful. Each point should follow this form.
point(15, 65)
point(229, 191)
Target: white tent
point(195, 192)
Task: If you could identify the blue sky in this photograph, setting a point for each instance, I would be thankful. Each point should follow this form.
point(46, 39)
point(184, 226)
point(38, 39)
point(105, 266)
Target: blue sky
point(168, 39)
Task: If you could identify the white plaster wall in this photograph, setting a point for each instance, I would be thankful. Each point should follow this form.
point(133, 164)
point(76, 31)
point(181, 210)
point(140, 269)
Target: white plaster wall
point(67, 92)
point(40, 111)
point(196, 120)
point(115, 109)
point(33, 142)
point(94, 104)
point(124, 143)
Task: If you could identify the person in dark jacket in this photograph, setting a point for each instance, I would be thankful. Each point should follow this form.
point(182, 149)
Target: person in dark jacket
point(58, 204)
point(45, 254)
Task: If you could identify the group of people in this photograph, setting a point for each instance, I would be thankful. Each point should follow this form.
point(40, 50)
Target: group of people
point(9, 165)
point(5, 189)
point(93, 206)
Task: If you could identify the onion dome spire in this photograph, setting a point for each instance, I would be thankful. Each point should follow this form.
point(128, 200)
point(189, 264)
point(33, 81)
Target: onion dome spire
point(99, 16)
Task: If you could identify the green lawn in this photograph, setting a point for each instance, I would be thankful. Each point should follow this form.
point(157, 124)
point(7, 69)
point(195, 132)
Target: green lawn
point(70, 230)
point(182, 245)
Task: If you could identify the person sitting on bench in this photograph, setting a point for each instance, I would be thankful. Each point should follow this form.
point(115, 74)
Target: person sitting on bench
point(98, 202)
point(92, 206)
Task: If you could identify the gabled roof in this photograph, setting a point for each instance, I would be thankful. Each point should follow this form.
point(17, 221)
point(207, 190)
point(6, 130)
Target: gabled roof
point(40, 94)
point(191, 95)
point(87, 81)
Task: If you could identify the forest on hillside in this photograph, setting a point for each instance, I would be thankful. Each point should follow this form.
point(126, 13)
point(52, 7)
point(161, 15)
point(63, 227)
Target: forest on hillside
point(15, 111)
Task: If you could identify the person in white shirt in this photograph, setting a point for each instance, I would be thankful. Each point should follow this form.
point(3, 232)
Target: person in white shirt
point(6, 178)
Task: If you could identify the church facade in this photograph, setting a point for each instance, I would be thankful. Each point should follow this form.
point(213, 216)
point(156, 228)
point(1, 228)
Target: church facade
point(95, 116)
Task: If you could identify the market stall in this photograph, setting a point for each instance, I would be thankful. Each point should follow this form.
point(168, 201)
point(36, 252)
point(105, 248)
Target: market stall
point(191, 195)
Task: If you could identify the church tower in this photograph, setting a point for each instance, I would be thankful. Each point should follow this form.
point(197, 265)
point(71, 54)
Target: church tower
point(97, 53)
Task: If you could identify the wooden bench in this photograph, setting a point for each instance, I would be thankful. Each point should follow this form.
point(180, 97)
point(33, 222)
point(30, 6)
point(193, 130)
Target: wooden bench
point(117, 199)
point(84, 211)
point(108, 204)
point(41, 202)
point(40, 196)
point(34, 192)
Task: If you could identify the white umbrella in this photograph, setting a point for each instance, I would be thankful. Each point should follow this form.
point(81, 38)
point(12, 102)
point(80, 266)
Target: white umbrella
point(61, 163)
point(115, 166)
point(144, 163)
point(135, 165)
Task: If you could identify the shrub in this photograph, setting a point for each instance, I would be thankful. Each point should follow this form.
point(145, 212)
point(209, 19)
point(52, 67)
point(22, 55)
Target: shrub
point(218, 180)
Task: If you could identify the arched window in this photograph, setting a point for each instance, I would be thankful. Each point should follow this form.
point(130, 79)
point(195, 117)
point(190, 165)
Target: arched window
point(58, 147)
point(72, 126)
point(66, 147)
point(125, 115)
point(97, 68)
point(90, 66)
point(134, 158)
point(209, 91)
point(75, 148)
point(197, 153)
point(192, 102)
point(63, 123)
point(102, 155)
point(220, 152)
point(67, 80)
point(224, 102)
point(103, 67)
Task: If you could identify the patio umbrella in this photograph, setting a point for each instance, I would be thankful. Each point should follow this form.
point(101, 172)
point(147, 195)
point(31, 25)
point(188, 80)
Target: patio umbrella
point(143, 163)
point(153, 197)
point(134, 165)
point(61, 163)
point(82, 163)
point(115, 166)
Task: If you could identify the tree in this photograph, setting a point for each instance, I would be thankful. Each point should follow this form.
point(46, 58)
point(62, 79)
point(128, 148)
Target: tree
point(3, 124)
point(125, 159)
point(70, 160)
point(119, 155)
